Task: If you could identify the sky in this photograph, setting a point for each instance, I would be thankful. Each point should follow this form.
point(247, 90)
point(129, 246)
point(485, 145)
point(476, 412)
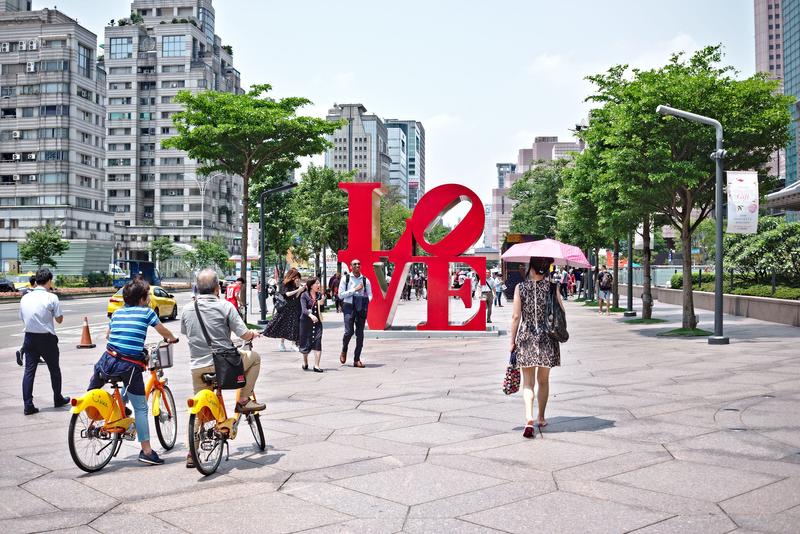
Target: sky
point(483, 77)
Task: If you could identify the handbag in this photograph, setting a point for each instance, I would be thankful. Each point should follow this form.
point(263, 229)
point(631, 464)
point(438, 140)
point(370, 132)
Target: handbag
point(228, 364)
point(556, 318)
point(512, 379)
point(279, 301)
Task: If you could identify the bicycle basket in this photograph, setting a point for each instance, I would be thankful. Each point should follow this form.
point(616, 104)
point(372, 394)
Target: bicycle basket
point(162, 358)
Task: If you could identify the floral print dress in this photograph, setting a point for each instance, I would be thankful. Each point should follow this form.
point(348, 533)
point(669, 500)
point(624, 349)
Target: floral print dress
point(534, 347)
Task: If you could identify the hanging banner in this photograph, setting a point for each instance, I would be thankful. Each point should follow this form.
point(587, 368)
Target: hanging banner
point(742, 202)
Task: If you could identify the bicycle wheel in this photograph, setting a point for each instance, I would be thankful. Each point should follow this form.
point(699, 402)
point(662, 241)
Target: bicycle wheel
point(254, 421)
point(205, 444)
point(90, 446)
point(166, 424)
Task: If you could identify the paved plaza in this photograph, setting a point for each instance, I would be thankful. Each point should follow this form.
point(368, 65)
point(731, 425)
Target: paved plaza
point(646, 434)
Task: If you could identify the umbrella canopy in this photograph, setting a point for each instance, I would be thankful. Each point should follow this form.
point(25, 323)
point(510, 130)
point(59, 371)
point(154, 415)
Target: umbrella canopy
point(250, 257)
point(561, 253)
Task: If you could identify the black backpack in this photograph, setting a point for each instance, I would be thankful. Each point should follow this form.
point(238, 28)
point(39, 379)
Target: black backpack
point(605, 280)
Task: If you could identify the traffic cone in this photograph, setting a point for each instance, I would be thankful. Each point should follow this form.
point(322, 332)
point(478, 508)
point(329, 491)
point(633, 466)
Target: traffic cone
point(86, 337)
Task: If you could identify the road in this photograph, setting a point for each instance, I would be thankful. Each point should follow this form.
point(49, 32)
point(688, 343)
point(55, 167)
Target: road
point(69, 332)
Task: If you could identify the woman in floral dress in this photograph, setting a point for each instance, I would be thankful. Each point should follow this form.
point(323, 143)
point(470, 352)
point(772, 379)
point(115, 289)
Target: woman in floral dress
point(536, 352)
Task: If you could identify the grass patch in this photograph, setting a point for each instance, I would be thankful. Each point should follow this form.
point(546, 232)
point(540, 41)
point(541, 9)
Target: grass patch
point(582, 299)
point(685, 332)
point(651, 320)
point(590, 303)
point(619, 310)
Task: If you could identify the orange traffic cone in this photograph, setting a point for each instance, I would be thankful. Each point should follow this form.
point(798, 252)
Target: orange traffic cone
point(86, 337)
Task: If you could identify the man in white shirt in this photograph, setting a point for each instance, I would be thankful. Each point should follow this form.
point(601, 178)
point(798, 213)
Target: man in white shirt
point(40, 310)
point(355, 292)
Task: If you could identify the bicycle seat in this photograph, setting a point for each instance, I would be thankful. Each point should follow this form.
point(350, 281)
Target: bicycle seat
point(209, 378)
point(111, 379)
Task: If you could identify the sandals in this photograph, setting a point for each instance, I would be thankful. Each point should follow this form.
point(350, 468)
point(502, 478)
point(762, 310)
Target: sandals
point(305, 367)
point(529, 431)
point(317, 370)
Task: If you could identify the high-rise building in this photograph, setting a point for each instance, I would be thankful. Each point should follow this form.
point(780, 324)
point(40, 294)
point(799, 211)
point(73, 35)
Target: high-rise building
point(398, 152)
point(543, 149)
point(52, 138)
point(769, 57)
point(415, 136)
point(154, 191)
point(360, 145)
point(488, 227)
point(790, 28)
point(15, 5)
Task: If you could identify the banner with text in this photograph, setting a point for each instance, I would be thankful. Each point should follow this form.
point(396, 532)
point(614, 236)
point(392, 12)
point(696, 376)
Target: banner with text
point(742, 202)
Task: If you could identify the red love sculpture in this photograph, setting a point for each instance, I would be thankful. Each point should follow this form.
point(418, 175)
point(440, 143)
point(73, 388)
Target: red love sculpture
point(363, 243)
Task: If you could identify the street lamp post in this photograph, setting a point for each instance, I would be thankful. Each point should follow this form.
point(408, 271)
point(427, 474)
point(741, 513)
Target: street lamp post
point(262, 295)
point(718, 156)
point(629, 312)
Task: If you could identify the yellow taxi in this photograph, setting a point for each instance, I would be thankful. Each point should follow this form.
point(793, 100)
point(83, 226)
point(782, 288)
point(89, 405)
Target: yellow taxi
point(163, 303)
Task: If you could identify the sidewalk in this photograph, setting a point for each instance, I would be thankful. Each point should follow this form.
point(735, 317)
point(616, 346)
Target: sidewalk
point(645, 433)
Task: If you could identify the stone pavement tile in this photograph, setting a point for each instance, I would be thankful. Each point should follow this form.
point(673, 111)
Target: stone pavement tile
point(384, 525)
point(437, 526)
point(588, 438)
point(672, 407)
point(432, 434)
point(83, 529)
point(697, 416)
point(691, 524)
point(283, 406)
point(16, 502)
point(366, 467)
point(477, 422)
point(45, 522)
point(372, 443)
point(564, 513)
point(786, 436)
point(255, 467)
point(267, 513)
point(478, 444)
point(314, 456)
point(394, 409)
point(17, 470)
point(695, 481)
point(614, 465)
point(343, 419)
point(771, 499)
point(113, 522)
point(480, 500)
point(503, 411)
point(442, 404)
point(780, 469)
point(65, 493)
point(651, 430)
point(652, 500)
point(492, 468)
point(611, 402)
point(746, 444)
point(782, 523)
point(392, 424)
point(419, 483)
point(193, 497)
point(344, 500)
point(547, 454)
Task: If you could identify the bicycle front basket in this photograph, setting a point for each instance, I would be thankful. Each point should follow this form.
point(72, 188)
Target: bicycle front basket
point(162, 359)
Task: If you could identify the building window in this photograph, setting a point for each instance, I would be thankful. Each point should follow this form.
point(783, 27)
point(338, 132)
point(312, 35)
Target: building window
point(84, 61)
point(172, 46)
point(121, 48)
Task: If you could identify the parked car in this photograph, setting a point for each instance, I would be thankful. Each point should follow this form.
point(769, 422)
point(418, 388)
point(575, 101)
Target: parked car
point(228, 280)
point(7, 286)
point(163, 303)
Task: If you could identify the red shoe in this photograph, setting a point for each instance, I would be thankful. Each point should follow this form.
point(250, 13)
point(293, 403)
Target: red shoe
point(529, 431)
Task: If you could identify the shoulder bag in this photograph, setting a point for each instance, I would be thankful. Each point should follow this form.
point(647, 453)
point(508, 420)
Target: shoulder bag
point(512, 379)
point(556, 318)
point(279, 301)
point(228, 364)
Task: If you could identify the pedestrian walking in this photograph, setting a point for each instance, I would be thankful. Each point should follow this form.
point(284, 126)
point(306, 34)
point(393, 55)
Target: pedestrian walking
point(285, 322)
point(39, 311)
point(233, 294)
point(604, 282)
point(499, 286)
point(24, 291)
point(311, 303)
point(536, 351)
point(487, 293)
point(356, 292)
point(578, 282)
point(124, 357)
point(333, 289)
point(564, 283)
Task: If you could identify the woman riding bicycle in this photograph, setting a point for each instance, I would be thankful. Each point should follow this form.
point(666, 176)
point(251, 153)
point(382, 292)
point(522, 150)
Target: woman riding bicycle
point(124, 358)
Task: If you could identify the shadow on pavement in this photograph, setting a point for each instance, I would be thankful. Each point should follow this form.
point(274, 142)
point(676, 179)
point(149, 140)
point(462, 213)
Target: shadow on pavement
point(574, 424)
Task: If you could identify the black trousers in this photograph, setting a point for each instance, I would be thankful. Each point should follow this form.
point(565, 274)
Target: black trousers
point(46, 346)
point(353, 323)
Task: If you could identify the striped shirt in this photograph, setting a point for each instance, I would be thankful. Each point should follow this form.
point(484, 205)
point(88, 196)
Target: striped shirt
point(129, 329)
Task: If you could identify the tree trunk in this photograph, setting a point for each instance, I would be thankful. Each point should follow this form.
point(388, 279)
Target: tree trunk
point(616, 274)
point(647, 283)
point(596, 274)
point(245, 201)
point(689, 319)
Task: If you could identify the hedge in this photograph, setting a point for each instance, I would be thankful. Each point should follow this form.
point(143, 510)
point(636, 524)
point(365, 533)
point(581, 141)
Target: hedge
point(676, 282)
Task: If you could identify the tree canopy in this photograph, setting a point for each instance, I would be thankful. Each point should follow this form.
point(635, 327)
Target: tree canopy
point(42, 245)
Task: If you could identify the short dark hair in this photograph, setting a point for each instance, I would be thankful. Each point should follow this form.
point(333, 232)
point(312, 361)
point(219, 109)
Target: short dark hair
point(134, 291)
point(540, 265)
point(32, 280)
point(240, 279)
point(43, 276)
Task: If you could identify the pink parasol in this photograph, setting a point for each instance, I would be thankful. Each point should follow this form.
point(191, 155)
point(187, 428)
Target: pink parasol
point(561, 253)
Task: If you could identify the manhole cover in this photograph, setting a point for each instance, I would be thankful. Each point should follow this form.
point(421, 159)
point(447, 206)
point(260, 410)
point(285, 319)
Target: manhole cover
point(730, 409)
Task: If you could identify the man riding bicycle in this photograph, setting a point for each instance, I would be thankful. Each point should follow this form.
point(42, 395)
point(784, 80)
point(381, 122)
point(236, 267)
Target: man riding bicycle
point(124, 358)
point(220, 319)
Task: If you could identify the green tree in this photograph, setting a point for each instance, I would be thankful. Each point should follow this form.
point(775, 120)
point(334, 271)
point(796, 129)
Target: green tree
point(42, 245)
point(212, 254)
point(161, 249)
point(666, 157)
point(536, 195)
point(250, 135)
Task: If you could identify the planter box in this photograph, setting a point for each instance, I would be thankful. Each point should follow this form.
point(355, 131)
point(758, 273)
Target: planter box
point(763, 308)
